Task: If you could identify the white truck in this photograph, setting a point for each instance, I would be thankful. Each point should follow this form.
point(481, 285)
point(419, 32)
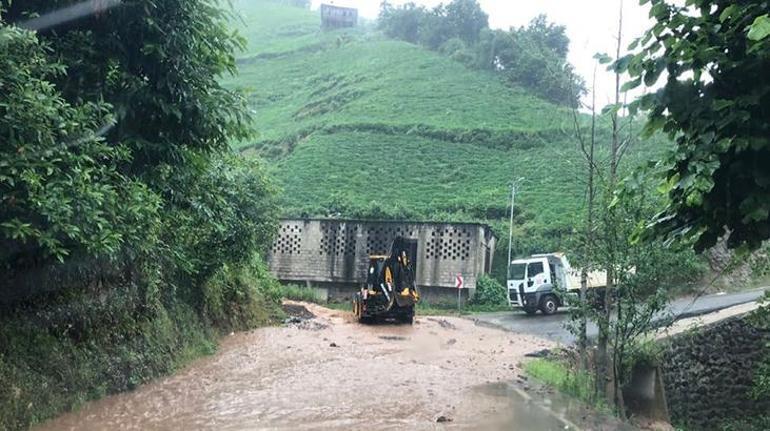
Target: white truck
point(545, 281)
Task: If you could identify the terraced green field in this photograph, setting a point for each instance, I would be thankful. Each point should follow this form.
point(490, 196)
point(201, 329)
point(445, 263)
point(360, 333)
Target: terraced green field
point(354, 124)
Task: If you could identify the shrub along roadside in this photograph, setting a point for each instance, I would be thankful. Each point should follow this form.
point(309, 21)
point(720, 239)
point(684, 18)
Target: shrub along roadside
point(83, 344)
point(296, 292)
point(489, 293)
point(562, 376)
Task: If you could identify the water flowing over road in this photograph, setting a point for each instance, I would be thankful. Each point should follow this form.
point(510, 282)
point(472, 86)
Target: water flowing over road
point(329, 372)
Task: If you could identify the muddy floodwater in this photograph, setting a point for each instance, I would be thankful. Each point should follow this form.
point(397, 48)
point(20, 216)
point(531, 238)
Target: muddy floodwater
point(332, 373)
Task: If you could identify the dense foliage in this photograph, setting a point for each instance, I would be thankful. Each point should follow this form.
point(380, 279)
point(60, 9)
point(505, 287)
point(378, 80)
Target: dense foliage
point(534, 56)
point(130, 235)
point(715, 103)
point(489, 292)
point(60, 186)
point(462, 19)
point(113, 130)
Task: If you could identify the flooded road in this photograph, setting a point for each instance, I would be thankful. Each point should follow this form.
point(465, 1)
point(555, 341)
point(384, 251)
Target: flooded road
point(332, 373)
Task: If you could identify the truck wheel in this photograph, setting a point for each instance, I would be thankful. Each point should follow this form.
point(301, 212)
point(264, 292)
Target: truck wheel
point(549, 305)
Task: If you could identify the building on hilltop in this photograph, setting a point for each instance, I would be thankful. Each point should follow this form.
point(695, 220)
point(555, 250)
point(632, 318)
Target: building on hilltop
point(333, 16)
point(334, 254)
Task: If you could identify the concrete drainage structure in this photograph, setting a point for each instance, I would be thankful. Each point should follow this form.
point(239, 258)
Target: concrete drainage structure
point(333, 255)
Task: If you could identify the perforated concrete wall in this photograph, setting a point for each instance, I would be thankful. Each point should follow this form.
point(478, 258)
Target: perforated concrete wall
point(336, 251)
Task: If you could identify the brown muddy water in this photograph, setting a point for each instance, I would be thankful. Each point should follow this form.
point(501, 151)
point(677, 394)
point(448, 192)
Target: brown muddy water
point(332, 373)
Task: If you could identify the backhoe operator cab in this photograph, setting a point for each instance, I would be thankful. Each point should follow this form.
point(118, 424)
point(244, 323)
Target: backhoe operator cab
point(534, 283)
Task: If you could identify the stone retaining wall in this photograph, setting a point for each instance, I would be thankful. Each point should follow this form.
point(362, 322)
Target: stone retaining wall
point(708, 375)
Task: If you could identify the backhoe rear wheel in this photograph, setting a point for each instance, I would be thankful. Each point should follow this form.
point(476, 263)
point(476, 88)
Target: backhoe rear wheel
point(407, 316)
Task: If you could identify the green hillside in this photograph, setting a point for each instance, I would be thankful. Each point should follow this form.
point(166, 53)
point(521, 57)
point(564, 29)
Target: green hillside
point(358, 125)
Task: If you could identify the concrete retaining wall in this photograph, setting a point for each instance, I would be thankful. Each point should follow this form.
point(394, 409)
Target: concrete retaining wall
point(708, 375)
point(342, 293)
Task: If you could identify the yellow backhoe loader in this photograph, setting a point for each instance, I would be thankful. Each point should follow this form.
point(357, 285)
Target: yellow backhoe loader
point(390, 291)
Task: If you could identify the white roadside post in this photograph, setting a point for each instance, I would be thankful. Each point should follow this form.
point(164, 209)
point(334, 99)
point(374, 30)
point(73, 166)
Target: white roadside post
point(459, 285)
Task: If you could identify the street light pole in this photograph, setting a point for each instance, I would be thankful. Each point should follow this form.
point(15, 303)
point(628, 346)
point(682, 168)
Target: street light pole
point(510, 230)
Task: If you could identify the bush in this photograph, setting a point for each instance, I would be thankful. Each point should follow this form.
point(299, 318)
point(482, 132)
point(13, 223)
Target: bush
point(559, 375)
point(490, 293)
point(242, 296)
point(755, 423)
point(83, 345)
point(647, 353)
point(300, 293)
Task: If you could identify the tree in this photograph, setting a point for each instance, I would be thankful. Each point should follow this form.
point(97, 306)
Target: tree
point(222, 211)
point(551, 35)
point(534, 57)
point(157, 63)
point(715, 104)
point(586, 238)
point(466, 19)
point(60, 187)
point(435, 28)
point(113, 124)
point(402, 22)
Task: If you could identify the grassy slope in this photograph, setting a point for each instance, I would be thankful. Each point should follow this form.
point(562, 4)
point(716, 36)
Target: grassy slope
point(360, 125)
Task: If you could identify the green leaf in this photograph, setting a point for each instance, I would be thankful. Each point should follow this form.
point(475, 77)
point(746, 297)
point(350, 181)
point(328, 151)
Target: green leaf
point(603, 58)
point(633, 107)
point(621, 65)
point(659, 11)
point(630, 85)
point(652, 75)
point(611, 109)
point(720, 104)
point(727, 12)
point(760, 29)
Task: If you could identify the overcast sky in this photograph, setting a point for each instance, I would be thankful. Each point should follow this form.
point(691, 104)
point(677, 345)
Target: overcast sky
point(591, 26)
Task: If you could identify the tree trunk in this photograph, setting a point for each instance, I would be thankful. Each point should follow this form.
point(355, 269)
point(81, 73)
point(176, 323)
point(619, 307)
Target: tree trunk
point(606, 369)
point(588, 246)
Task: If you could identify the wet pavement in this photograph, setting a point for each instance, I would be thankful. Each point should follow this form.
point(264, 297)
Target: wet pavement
point(332, 373)
point(552, 327)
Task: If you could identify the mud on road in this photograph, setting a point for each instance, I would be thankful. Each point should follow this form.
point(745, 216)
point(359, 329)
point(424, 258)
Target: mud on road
point(329, 372)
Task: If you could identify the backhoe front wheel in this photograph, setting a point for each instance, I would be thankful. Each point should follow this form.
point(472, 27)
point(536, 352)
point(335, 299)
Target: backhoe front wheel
point(358, 309)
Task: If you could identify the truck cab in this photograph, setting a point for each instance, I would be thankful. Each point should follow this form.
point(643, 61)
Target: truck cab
point(546, 281)
point(538, 282)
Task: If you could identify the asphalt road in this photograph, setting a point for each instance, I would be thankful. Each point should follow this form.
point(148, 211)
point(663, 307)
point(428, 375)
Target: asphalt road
point(552, 327)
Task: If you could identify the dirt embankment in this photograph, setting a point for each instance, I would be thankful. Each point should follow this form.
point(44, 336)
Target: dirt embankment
point(327, 372)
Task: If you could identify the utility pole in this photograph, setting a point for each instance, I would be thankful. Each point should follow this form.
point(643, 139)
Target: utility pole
point(510, 230)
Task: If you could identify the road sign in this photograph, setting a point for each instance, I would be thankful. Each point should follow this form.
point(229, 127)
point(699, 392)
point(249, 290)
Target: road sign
point(459, 285)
